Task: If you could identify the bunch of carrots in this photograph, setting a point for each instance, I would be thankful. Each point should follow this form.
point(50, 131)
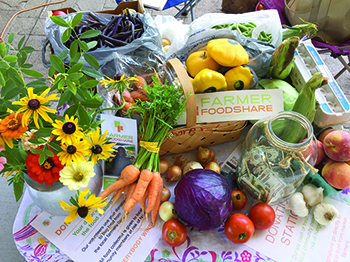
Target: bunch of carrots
point(141, 181)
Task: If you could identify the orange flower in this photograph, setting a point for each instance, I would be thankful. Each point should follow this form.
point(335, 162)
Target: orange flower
point(10, 126)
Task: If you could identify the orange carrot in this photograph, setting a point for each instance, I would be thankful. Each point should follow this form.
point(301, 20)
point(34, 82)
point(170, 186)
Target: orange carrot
point(127, 97)
point(141, 186)
point(128, 175)
point(128, 197)
point(143, 201)
point(155, 210)
point(156, 182)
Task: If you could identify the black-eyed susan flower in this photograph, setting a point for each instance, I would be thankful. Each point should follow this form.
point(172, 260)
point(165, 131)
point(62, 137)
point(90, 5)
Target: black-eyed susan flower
point(119, 82)
point(35, 104)
point(67, 130)
point(77, 176)
point(74, 151)
point(82, 206)
point(98, 146)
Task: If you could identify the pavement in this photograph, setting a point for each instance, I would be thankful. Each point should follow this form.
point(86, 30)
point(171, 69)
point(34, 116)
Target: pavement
point(31, 25)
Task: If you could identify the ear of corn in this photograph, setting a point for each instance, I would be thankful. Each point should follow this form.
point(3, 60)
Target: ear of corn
point(307, 29)
point(282, 60)
point(305, 105)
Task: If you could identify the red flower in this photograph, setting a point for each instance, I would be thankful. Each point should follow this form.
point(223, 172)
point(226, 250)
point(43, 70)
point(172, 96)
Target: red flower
point(48, 172)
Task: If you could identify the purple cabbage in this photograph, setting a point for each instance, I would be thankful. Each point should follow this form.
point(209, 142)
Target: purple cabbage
point(203, 199)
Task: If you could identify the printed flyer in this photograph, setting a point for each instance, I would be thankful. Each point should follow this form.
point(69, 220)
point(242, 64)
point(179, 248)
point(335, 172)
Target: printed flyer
point(237, 105)
point(122, 131)
point(295, 239)
point(108, 238)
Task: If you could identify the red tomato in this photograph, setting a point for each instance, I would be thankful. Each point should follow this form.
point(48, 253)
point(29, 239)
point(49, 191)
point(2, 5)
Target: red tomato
point(239, 228)
point(239, 199)
point(262, 215)
point(174, 232)
point(58, 13)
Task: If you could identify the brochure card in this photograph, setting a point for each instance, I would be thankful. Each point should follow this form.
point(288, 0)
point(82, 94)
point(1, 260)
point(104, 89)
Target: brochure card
point(108, 238)
point(122, 131)
point(237, 105)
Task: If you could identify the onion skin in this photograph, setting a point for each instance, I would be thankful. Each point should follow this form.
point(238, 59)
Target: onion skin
point(164, 165)
point(174, 173)
point(166, 194)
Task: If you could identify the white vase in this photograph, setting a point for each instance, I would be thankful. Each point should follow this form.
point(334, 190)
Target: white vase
point(47, 197)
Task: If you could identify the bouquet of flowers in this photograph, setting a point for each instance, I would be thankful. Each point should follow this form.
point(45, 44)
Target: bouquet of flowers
point(37, 138)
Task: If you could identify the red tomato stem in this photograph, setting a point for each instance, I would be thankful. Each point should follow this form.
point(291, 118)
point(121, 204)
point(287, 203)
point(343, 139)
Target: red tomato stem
point(242, 236)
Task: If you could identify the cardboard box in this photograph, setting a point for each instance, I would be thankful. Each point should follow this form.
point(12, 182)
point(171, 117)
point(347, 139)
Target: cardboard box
point(332, 106)
point(136, 5)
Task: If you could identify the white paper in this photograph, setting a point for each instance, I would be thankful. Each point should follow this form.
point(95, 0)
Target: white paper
point(156, 4)
point(237, 105)
point(296, 239)
point(99, 241)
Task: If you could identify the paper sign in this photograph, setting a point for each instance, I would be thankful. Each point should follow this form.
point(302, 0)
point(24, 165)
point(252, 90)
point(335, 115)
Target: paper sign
point(295, 239)
point(123, 131)
point(237, 105)
point(104, 240)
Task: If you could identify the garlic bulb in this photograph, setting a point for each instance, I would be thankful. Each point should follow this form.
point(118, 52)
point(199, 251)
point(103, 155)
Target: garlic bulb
point(298, 205)
point(312, 194)
point(191, 165)
point(325, 213)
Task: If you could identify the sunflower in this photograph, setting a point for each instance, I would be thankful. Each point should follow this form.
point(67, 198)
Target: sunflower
point(48, 172)
point(74, 151)
point(11, 127)
point(97, 145)
point(35, 104)
point(119, 80)
point(67, 130)
point(82, 206)
point(76, 176)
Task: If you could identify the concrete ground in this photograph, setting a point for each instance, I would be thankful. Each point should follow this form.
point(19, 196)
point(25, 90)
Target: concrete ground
point(31, 25)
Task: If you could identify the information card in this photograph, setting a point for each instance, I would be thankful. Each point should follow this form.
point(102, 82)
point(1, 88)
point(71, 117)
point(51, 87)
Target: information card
point(108, 238)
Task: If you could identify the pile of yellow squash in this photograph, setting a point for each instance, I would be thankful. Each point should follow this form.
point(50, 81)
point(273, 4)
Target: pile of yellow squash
point(204, 66)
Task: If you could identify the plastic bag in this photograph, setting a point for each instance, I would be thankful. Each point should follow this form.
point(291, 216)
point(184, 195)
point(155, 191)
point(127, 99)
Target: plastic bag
point(172, 29)
point(266, 20)
point(259, 52)
point(151, 38)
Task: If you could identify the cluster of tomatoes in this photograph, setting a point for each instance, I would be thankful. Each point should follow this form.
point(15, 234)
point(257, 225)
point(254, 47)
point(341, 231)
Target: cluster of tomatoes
point(239, 228)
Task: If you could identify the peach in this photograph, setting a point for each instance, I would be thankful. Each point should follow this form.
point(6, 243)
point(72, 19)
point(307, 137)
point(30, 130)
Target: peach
point(323, 162)
point(337, 174)
point(324, 133)
point(336, 146)
point(310, 151)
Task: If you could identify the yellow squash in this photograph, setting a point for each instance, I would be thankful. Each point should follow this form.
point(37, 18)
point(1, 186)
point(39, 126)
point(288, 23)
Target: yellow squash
point(238, 78)
point(227, 52)
point(200, 60)
point(208, 80)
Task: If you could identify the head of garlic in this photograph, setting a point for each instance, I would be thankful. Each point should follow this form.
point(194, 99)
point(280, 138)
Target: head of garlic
point(298, 205)
point(313, 194)
point(325, 213)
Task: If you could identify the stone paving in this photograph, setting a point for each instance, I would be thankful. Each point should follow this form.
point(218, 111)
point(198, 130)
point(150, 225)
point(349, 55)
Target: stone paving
point(31, 25)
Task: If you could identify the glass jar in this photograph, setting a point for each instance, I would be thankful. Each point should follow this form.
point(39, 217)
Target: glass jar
point(271, 169)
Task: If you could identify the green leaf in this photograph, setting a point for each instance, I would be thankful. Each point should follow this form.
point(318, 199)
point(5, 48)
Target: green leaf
point(84, 118)
point(15, 77)
point(49, 153)
point(55, 147)
point(90, 34)
point(91, 44)
point(11, 58)
point(31, 72)
point(59, 21)
point(22, 57)
point(37, 83)
point(37, 141)
point(64, 54)
point(26, 65)
point(75, 68)
point(11, 37)
point(91, 72)
point(66, 35)
point(92, 103)
point(42, 157)
point(2, 80)
point(91, 61)
point(64, 97)
point(4, 65)
point(73, 76)
point(28, 49)
point(51, 71)
point(72, 87)
point(43, 132)
point(36, 151)
point(18, 187)
point(3, 51)
point(72, 109)
point(76, 19)
point(57, 63)
point(73, 50)
point(83, 46)
point(90, 83)
point(20, 43)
